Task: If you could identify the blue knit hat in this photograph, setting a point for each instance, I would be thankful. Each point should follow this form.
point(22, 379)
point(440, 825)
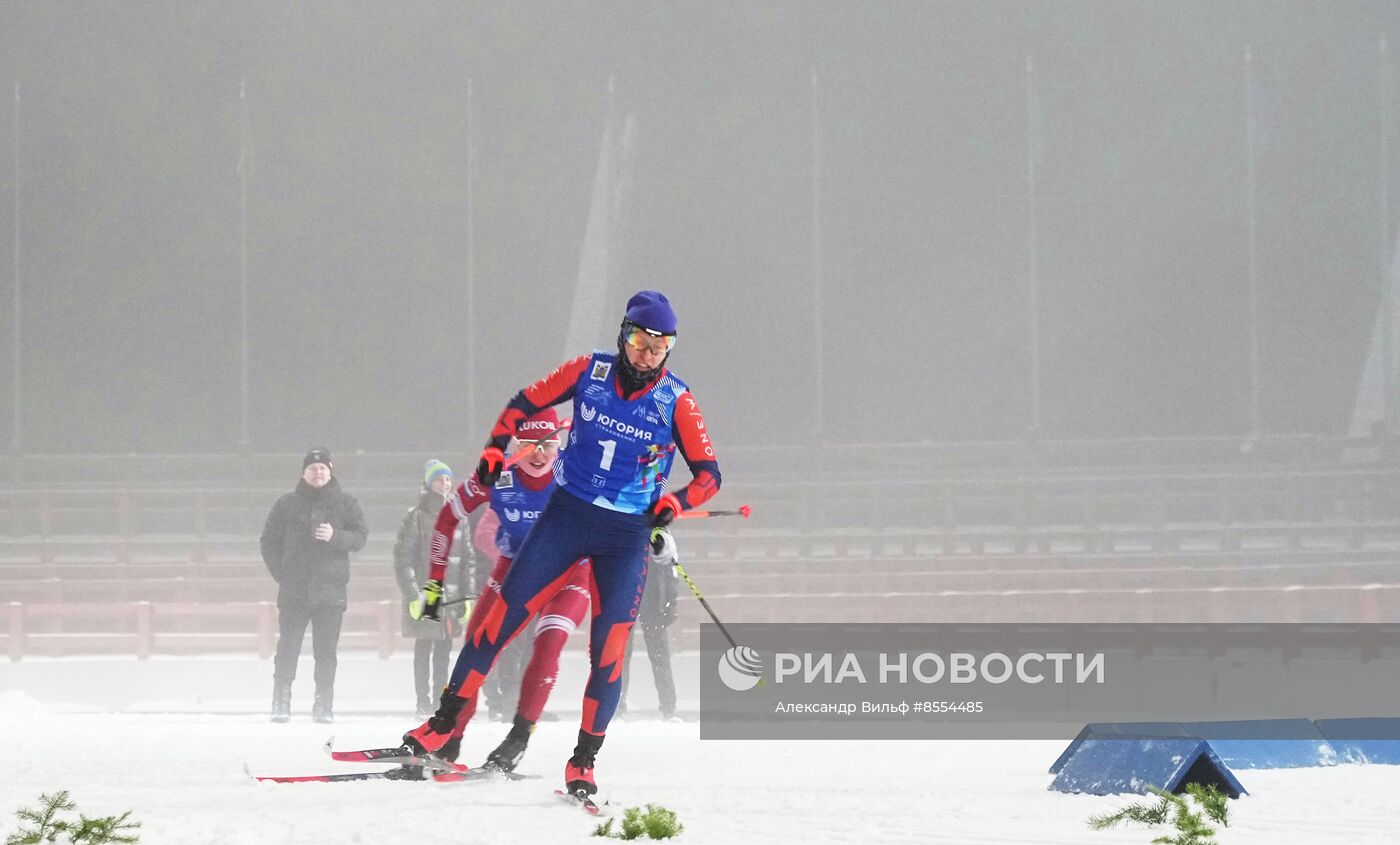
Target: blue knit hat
point(432, 469)
point(651, 310)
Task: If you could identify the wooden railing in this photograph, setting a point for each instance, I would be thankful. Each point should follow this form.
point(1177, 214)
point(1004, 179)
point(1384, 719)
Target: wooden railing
point(789, 459)
point(142, 629)
point(1028, 508)
point(150, 558)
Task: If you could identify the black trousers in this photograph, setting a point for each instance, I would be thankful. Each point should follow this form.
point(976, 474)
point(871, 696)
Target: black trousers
point(658, 640)
point(325, 639)
point(430, 654)
point(501, 689)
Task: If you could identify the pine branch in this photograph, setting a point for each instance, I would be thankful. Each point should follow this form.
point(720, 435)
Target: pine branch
point(632, 823)
point(1171, 797)
point(108, 829)
point(1184, 839)
point(1137, 813)
point(604, 829)
point(1191, 827)
point(105, 830)
point(1215, 803)
point(47, 825)
point(661, 823)
point(655, 823)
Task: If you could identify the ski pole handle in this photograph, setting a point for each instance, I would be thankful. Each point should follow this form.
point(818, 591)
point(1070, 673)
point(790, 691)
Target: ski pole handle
point(744, 511)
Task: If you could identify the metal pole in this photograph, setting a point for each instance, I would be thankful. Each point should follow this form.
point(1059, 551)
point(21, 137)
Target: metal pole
point(244, 440)
point(1387, 302)
point(15, 438)
point(1254, 427)
point(1032, 260)
point(818, 365)
point(470, 332)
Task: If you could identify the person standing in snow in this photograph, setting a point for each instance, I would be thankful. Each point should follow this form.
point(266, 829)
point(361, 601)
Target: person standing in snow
point(306, 545)
point(657, 613)
point(432, 638)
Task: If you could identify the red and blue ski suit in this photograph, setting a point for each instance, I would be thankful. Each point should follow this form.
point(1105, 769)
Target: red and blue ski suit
point(516, 500)
point(615, 467)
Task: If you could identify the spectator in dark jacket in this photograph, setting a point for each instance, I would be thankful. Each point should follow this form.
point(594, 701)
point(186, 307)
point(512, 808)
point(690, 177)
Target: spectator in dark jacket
point(306, 545)
point(655, 616)
point(433, 638)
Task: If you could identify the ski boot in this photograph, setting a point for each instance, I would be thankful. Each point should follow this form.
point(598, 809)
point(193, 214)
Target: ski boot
point(578, 772)
point(450, 750)
point(432, 735)
point(322, 709)
point(281, 701)
point(507, 755)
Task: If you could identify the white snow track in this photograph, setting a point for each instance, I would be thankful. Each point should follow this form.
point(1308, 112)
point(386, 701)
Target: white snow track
point(182, 777)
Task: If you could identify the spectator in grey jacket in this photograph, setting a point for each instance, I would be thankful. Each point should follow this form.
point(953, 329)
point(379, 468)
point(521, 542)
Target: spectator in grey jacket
point(432, 638)
point(306, 545)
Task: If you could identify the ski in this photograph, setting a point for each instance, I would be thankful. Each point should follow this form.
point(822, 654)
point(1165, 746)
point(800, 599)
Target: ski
point(412, 766)
point(400, 773)
point(403, 772)
point(482, 775)
point(582, 800)
point(398, 754)
point(489, 771)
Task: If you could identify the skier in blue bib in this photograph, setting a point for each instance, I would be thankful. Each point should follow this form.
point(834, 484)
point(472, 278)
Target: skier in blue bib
point(630, 417)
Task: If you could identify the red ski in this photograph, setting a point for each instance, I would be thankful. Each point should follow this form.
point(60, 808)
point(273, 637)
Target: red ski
point(404, 772)
point(398, 754)
point(581, 799)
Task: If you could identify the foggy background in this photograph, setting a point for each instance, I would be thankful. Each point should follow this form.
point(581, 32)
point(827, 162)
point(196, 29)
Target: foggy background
point(835, 196)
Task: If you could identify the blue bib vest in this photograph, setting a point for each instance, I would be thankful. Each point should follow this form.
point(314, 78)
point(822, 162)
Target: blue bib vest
point(517, 507)
point(620, 452)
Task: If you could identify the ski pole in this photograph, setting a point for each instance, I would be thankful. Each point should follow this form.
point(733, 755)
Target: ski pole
point(696, 590)
point(744, 511)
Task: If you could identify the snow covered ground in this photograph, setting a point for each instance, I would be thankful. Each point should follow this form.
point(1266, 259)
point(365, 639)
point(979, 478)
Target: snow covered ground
point(182, 775)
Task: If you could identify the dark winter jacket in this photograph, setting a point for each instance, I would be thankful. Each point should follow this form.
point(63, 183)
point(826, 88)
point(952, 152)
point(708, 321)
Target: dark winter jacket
point(411, 552)
point(659, 597)
point(309, 571)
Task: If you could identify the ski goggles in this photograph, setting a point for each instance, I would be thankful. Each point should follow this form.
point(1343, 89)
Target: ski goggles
point(646, 340)
point(549, 445)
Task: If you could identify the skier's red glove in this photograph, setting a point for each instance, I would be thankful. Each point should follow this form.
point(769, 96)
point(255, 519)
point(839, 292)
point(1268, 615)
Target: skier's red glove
point(665, 510)
point(488, 470)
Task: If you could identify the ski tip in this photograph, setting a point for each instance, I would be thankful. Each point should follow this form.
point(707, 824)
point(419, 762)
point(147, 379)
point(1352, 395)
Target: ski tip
point(480, 774)
point(329, 747)
point(449, 766)
point(581, 800)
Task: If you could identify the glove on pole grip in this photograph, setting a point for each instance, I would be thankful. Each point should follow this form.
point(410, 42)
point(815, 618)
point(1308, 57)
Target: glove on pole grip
point(665, 510)
point(429, 601)
point(488, 469)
